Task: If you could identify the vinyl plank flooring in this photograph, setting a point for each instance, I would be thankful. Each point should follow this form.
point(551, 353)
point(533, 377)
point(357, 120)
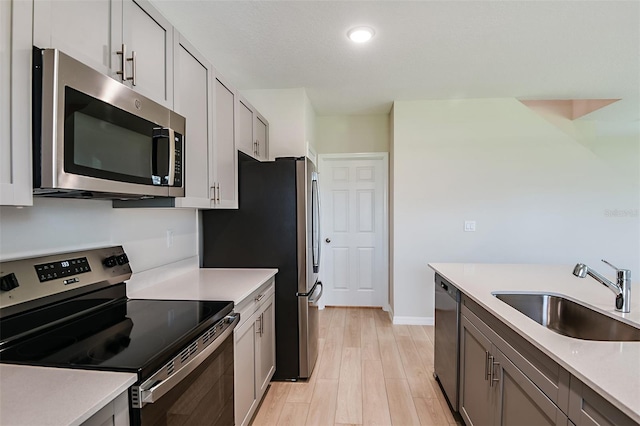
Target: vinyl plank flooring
point(368, 372)
point(349, 406)
point(369, 335)
point(375, 405)
point(401, 405)
point(352, 329)
point(430, 412)
point(389, 354)
point(322, 409)
point(272, 404)
point(423, 345)
point(293, 413)
point(416, 373)
point(329, 366)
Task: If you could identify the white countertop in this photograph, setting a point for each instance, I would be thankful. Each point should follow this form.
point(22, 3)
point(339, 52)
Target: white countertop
point(610, 368)
point(207, 284)
point(56, 396)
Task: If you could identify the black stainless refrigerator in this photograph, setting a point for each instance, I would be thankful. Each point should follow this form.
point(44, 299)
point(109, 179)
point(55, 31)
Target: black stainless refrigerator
point(276, 226)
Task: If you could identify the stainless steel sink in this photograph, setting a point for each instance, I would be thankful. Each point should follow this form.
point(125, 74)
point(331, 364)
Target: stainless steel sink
point(569, 318)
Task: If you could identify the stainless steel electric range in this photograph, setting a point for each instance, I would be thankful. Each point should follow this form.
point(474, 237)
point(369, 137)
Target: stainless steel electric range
point(70, 310)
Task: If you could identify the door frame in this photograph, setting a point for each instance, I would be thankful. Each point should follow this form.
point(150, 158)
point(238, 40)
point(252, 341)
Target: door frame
point(376, 156)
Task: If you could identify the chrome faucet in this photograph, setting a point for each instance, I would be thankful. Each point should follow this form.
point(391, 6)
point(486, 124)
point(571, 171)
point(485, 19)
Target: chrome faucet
point(622, 288)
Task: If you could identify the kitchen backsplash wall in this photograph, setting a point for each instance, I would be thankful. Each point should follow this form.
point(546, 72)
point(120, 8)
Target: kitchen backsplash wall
point(151, 237)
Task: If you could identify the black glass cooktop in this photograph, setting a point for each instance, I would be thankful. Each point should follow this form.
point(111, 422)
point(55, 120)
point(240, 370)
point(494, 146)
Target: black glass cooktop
point(130, 335)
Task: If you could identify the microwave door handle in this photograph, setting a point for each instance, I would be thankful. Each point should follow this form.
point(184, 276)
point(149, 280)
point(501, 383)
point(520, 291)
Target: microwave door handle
point(155, 169)
point(172, 157)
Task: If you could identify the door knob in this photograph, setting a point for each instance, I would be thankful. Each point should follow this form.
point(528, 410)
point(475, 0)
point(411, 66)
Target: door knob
point(328, 240)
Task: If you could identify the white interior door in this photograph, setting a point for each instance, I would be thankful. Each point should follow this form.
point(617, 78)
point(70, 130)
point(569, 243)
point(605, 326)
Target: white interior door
point(354, 229)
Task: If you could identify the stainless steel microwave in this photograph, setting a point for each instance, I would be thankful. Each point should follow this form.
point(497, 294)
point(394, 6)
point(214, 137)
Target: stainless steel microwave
point(93, 137)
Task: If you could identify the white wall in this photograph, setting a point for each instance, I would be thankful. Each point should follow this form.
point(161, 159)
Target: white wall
point(352, 133)
point(57, 225)
point(537, 194)
point(291, 119)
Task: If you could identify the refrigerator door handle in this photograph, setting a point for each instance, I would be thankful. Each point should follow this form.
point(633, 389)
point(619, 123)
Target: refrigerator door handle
point(310, 292)
point(319, 295)
point(315, 222)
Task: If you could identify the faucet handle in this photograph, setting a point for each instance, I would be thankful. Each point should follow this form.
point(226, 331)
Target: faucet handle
point(614, 267)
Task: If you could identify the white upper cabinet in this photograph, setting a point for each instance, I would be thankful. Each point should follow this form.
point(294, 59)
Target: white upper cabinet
point(128, 40)
point(15, 102)
point(225, 157)
point(148, 38)
point(207, 102)
point(261, 135)
point(193, 100)
point(252, 131)
point(244, 130)
point(90, 31)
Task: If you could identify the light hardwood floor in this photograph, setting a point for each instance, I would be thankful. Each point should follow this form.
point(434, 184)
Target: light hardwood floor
point(369, 372)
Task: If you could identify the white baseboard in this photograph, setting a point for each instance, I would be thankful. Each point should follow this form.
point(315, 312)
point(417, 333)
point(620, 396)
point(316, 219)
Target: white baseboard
point(413, 320)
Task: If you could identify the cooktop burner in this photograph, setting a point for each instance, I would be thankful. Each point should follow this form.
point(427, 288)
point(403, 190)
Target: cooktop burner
point(130, 335)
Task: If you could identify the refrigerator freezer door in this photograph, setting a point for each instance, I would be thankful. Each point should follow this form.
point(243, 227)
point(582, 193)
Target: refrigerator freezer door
point(309, 329)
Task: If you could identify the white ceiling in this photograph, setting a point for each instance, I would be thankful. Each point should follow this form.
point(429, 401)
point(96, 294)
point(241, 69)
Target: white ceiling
point(536, 49)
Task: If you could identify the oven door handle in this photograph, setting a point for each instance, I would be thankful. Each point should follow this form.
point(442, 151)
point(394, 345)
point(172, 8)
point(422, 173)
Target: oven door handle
point(156, 392)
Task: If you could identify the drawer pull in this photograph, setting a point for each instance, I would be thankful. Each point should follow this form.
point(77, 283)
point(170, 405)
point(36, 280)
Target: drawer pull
point(259, 298)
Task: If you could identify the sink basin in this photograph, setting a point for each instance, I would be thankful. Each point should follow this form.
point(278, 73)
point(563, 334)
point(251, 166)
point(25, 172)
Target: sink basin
point(570, 318)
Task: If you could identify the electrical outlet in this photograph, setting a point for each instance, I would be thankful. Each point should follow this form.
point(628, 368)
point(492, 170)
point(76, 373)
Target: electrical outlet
point(169, 238)
point(469, 226)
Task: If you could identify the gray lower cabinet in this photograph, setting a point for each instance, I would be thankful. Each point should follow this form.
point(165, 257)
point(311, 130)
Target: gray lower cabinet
point(505, 380)
point(586, 407)
point(476, 397)
point(494, 391)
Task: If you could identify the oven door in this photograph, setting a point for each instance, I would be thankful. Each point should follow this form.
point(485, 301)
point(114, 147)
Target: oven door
point(204, 396)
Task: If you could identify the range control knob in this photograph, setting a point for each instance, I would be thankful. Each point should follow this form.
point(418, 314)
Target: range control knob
point(122, 259)
point(110, 262)
point(8, 282)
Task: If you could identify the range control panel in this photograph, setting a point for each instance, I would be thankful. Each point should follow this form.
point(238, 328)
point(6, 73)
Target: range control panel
point(62, 268)
point(26, 280)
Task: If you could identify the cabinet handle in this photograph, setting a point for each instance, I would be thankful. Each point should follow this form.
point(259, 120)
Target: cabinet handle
point(218, 197)
point(261, 324)
point(259, 330)
point(492, 372)
point(259, 298)
point(123, 71)
point(133, 67)
point(212, 189)
point(486, 365)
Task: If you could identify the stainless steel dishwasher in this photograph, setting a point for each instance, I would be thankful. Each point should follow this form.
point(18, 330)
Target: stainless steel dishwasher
point(446, 358)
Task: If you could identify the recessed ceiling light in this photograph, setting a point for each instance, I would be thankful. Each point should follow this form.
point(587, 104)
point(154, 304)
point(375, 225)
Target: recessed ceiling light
point(360, 34)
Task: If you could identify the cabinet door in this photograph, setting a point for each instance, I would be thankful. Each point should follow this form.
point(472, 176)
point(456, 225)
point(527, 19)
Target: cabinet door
point(225, 157)
point(262, 137)
point(266, 362)
point(193, 99)
point(245, 141)
point(244, 370)
point(520, 401)
point(149, 38)
point(90, 31)
point(588, 408)
point(15, 102)
point(476, 396)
